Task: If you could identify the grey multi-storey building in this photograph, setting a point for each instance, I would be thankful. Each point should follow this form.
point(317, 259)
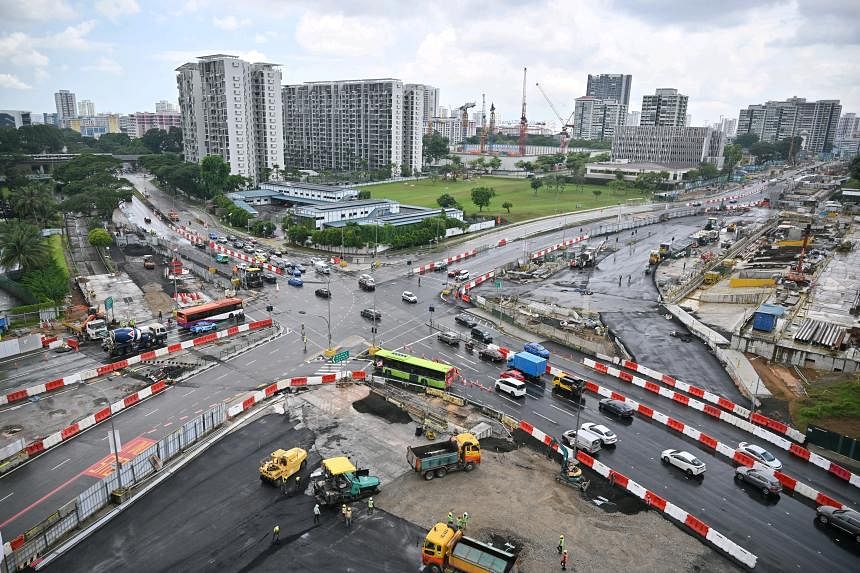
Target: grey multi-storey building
point(669, 145)
point(594, 118)
point(665, 107)
point(431, 104)
point(773, 121)
point(66, 107)
point(232, 108)
point(610, 87)
point(354, 125)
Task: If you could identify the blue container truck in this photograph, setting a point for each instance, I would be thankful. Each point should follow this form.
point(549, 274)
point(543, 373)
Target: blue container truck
point(530, 365)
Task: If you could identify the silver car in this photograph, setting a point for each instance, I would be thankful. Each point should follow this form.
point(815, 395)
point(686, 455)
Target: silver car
point(761, 455)
point(761, 479)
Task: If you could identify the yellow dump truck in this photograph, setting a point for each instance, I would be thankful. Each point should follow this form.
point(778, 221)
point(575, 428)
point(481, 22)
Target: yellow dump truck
point(654, 257)
point(447, 549)
point(282, 465)
point(712, 277)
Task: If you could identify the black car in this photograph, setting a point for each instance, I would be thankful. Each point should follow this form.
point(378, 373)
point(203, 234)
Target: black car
point(848, 520)
point(450, 338)
point(491, 354)
point(372, 314)
point(270, 278)
point(616, 407)
point(466, 320)
point(325, 293)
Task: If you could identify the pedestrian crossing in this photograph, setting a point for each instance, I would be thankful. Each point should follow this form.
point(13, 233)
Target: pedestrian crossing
point(329, 368)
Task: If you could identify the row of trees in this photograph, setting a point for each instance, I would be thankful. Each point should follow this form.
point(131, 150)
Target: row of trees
point(360, 236)
point(543, 140)
point(90, 185)
point(49, 139)
point(205, 181)
point(784, 149)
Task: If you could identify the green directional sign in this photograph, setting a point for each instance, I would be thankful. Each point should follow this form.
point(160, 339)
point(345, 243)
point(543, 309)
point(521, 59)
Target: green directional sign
point(340, 356)
point(109, 303)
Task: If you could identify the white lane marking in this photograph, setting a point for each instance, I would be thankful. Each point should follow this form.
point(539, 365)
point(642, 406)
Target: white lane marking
point(190, 392)
point(56, 466)
point(544, 417)
point(150, 413)
point(250, 362)
point(514, 402)
point(223, 376)
point(415, 341)
point(561, 410)
point(274, 351)
point(8, 496)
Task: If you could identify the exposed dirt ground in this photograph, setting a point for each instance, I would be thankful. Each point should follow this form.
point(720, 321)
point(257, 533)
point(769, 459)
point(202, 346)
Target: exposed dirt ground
point(513, 497)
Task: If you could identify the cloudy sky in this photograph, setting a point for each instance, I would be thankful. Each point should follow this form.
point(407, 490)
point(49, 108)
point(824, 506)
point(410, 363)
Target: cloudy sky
point(724, 54)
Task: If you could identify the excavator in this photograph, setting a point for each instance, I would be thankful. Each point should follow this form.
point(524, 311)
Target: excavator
point(570, 472)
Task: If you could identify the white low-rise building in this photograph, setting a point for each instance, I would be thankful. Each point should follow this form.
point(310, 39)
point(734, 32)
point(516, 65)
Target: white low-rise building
point(606, 171)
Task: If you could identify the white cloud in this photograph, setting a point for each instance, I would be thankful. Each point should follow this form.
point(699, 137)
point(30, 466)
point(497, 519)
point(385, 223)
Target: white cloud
point(339, 35)
point(35, 10)
point(230, 23)
point(179, 57)
point(113, 9)
point(11, 82)
point(105, 66)
point(191, 6)
point(260, 39)
point(17, 48)
point(73, 38)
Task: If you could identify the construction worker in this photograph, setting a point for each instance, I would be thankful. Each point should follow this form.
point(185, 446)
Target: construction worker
point(298, 483)
point(451, 519)
point(349, 516)
point(343, 511)
point(370, 506)
point(465, 520)
point(564, 560)
point(316, 514)
point(276, 534)
point(560, 544)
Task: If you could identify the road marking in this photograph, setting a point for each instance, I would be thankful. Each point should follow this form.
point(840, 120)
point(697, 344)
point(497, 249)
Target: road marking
point(561, 410)
point(509, 400)
point(250, 362)
point(150, 413)
point(8, 496)
point(41, 499)
point(544, 417)
point(414, 341)
point(190, 392)
point(274, 351)
point(223, 376)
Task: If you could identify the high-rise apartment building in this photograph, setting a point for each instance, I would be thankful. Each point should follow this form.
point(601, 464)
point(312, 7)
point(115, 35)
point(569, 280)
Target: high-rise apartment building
point(632, 118)
point(665, 107)
point(774, 121)
point(232, 108)
point(164, 106)
point(145, 120)
point(66, 107)
point(847, 126)
point(610, 87)
point(595, 118)
point(86, 108)
point(668, 145)
point(727, 126)
point(354, 125)
point(431, 103)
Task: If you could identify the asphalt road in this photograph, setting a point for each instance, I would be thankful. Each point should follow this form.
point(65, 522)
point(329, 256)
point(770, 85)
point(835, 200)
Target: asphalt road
point(215, 515)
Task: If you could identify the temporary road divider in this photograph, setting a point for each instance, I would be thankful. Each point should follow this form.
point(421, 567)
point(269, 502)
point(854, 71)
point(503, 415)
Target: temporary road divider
point(736, 421)
point(787, 481)
point(25, 393)
point(243, 257)
point(563, 244)
point(430, 266)
point(650, 498)
point(756, 418)
point(295, 382)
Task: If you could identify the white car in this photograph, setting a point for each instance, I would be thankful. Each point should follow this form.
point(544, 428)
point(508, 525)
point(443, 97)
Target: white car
point(607, 436)
point(760, 454)
point(686, 461)
point(409, 297)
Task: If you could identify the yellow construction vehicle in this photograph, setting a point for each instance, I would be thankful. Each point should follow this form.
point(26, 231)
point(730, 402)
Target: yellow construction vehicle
point(665, 248)
point(712, 277)
point(447, 549)
point(282, 465)
point(654, 257)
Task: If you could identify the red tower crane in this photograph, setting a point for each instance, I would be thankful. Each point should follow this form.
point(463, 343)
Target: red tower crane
point(524, 124)
point(565, 137)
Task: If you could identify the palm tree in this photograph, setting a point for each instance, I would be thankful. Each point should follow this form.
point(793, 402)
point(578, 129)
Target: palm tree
point(33, 202)
point(21, 246)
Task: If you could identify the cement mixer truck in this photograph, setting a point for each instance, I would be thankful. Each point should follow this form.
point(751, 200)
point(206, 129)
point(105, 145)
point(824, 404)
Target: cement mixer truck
point(122, 341)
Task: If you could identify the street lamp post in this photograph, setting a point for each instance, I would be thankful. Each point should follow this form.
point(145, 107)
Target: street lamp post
point(372, 268)
point(329, 351)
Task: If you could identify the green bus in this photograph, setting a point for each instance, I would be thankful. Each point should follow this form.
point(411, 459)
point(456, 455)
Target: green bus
point(413, 369)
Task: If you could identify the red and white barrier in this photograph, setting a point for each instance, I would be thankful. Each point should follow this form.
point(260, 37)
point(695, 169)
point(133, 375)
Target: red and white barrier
point(787, 481)
point(566, 243)
point(729, 418)
point(650, 498)
point(477, 280)
point(38, 446)
point(776, 426)
point(185, 233)
point(25, 393)
point(243, 257)
point(295, 382)
point(430, 266)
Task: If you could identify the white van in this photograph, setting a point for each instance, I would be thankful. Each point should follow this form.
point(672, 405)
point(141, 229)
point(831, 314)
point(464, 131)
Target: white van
point(321, 267)
point(585, 440)
point(463, 275)
point(511, 386)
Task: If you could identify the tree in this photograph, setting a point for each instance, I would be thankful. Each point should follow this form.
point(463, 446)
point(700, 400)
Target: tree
point(213, 173)
point(100, 238)
point(48, 284)
point(446, 201)
point(536, 184)
point(597, 193)
point(22, 246)
point(40, 139)
point(33, 203)
point(618, 187)
point(763, 151)
point(435, 147)
point(494, 162)
point(525, 165)
point(854, 167)
point(173, 141)
point(481, 196)
point(708, 170)
point(787, 150)
point(507, 206)
point(746, 140)
point(619, 175)
point(732, 154)
point(364, 194)
point(600, 158)
point(155, 140)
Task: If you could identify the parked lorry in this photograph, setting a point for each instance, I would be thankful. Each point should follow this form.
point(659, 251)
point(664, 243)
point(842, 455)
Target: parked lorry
point(530, 365)
point(93, 327)
point(122, 341)
point(461, 452)
point(448, 549)
point(282, 465)
point(338, 481)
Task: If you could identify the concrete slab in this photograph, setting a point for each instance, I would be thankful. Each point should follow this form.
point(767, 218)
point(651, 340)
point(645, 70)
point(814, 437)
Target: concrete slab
point(129, 302)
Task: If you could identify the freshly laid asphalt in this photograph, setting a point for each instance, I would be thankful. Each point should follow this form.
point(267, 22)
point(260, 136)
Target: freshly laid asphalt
point(216, 515)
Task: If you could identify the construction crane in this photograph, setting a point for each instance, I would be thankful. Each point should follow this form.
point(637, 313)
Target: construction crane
point(524, 124)
point(464, 121)
point(491, 136)
point(797, 275)
point(565, 136)
point(483, 123)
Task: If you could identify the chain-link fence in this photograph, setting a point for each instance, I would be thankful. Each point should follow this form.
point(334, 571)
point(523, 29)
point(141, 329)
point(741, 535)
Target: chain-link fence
point(30, 546)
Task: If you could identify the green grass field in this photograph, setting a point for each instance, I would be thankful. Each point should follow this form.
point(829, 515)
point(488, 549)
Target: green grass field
point(526, 203)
